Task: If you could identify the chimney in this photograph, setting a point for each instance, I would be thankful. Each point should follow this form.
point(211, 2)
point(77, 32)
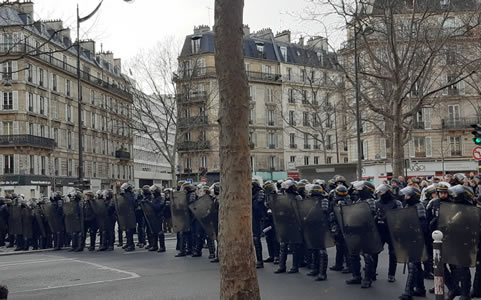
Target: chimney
point(264, 33)
point(318, 43)
point(118, 64)
point(284, 36)
point(247, 31)
point(23, 7)
point(201, 29)
point(88, 45)
point(301, 41)
point(56, 25)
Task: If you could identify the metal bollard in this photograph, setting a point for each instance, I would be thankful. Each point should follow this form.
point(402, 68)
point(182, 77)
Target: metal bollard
point(438, 265)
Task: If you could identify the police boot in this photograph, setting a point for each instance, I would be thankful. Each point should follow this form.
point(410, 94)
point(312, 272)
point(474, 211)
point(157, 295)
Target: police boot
point(35, 243)
point(154, 240)
point(26, 244)
point(295, 259)
point(161, 242)
point(80, 243)
point(120, 238)
point(258, 249)
point(270, 248)
point(197, 245)
point(130, 241)
point(323, 260)
point(211, 246)
point(58, 241)
point(150, 243)
point(111, 240)
point(182, 245)
point(103, 241)
point(315, 264)
point(282, 259)
point(93, 238)
point(216, 259)
point(74, 242)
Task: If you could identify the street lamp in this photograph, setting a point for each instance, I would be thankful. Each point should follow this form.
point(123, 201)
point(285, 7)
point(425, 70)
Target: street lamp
point(79, 96)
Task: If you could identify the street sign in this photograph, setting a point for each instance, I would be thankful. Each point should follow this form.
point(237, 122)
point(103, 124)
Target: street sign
point(189, 180)
point(477, 153)
point(203, 179)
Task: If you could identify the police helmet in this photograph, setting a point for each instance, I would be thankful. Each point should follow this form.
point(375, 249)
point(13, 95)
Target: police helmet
point(317, 190)
point(126, 187)
point(341, 192)
point(382, 189)
point(443, 187)
point(412, 192)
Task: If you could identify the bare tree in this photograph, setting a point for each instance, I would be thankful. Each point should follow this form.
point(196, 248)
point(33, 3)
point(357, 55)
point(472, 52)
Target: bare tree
point(237, 269)
point(401, 46)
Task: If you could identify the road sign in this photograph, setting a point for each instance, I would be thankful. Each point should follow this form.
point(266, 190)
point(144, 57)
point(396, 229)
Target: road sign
point(203, 179)
point(189, 180)
point(477, 153)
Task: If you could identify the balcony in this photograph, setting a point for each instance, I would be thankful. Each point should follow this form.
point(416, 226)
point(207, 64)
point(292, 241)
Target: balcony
point(293, 146)
point(193, 145)
point(27, 50)
point(307, 146)
point(272, 146)
point(418, 125)
point(192, 97)
point(196, 73)
point(192, 121)
point(317, 147)
point(463, 123)
point(259, 76)
point(122, 155)
point(27, 140)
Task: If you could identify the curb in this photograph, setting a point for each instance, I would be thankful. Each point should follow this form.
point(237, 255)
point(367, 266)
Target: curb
point(25, 252)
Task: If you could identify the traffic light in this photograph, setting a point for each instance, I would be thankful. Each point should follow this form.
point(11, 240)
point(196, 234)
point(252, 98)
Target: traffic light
point(477, 133)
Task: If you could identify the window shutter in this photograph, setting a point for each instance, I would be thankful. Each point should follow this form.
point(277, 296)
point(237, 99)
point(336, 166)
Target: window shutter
point(428, 145)
point(353, 149)
point(35, 105)
point(34, 74)
point(15, 127)
point(427, 117)
point(66, 112)
point(45, 106)
point(16, 163)
point(1, 128)
point(15, 100)
point(462, 87)
point(65, 87)
point(2, 158)
point(14, 70)
point(46, 76)
point(411, 149)
point(445, 81)
point(1, 100)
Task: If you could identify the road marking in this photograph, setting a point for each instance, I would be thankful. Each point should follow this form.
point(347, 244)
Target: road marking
point(38, 261)
point(134, 252)
point(131, 275)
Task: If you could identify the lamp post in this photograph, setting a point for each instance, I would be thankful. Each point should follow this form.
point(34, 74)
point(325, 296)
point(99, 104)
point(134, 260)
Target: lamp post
point(79, 91)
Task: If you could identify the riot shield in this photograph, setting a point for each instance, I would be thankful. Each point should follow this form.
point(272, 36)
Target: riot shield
point(180, 212)
point(101, 216)
point(154, 221)
point(27, 223)
point(286, 219)
point(3, 224)
point(37, 215)
point(125, 213)
point(459, 224)
point(72, 217)
point(315, 225)
point(206, 212)
point(15, 219)
point(53, 219)
point(406, 235)
point(358, 228)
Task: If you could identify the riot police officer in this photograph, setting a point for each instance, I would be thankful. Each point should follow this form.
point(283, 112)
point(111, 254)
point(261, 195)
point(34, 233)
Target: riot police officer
point(270, 190)
point(3, 221)
point(125, 207)
point(340, 196)
point(107, 235)
point(364, 191)
point(157, 235)
point(73, 217)
point(386, 201)
point(90, 222)
point(185, 238)
point(215, 193)
point(415, 279)
point(258, 212)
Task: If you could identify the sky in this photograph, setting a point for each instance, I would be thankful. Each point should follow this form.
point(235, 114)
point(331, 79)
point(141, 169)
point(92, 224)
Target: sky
point(127, 28)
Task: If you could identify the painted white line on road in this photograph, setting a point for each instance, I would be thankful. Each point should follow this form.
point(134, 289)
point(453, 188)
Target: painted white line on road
point(134, 252)
point(38, 261)
point(131, 275)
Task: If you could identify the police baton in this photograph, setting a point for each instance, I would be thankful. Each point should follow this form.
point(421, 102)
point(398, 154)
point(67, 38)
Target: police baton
point(438, 265)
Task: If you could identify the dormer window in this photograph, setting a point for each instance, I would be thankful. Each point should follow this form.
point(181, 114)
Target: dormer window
point(260, 48)
point(284, 53)
point(196, 44)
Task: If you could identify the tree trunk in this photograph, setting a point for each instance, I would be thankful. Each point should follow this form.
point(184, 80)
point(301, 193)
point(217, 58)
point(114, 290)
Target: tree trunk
point(174, 175)
point(238, 277)
point(397, 144)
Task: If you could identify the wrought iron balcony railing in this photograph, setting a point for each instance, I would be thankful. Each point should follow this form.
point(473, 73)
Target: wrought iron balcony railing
point(27, 140)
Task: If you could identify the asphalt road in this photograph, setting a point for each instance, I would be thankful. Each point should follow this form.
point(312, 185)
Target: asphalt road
point(151, 275)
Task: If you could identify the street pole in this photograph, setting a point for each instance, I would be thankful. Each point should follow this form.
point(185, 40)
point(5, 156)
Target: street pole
point(438, 265)
point(79, 101)
point(358, 113)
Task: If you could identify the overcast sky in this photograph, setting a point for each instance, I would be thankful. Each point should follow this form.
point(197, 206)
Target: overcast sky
point(127, 28)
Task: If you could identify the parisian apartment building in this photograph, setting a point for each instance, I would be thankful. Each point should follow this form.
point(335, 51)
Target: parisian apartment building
point(39, 119)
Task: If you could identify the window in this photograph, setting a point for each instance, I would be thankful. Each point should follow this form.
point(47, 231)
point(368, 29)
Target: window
point(92, 97)
point(70, 167)
point(31, 129)
point(195, 44)
point(55, 135)
point(270, 118)
point(94, 117)
point(419, 149)
point(42, 105)
point(7, 128)
point(314, 97)
point(54, 82)
point(68, 85)
point(69, 113)
point(304, 97)
point(64, 62)
point(289, 73)
point(7, 71)
point(252, 115)
point(69, 139)
point(252, 92)
point(188, 163)
point(260, 48)
point(292, 121)
point(284, 53)
point(290, 96)
point(7, 100)
point(292, 159)
point(187, 137)
point(29, 73)
point(306, 141)
point(42, 131)
point(316, 141)
point(269, 95)
point(303, 75)
point(32, 164)
point(43, 165)
point(328, 142)
point(292, 141)
point(30, 102)
point(451, 56)
point(8, 164)
point(453, 115)
point(40, 77)
point(271, 140)
point(56, 166)
point(272, 162)
point(328, 160)
point(455, 146)
point(316, 160)
point(328, 121)
point(305, 119)
point(306, 160)
point(203, 162)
